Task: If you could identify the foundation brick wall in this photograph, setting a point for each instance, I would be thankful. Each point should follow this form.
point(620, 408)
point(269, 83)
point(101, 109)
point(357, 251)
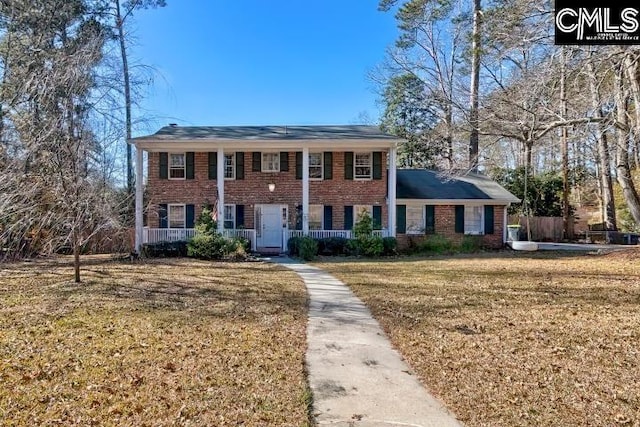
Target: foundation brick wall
point(253, 189)
point(445, 226)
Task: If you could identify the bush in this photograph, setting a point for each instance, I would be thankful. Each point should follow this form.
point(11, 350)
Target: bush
point(471, 244)
point(435, 244)
point(308, 248)
point(370, 246)
point(389, 246)
point(207, 246)
point(164, 249)
point(293, 246)
point(332, 246)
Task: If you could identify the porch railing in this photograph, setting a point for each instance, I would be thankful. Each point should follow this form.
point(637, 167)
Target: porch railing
point(323, 234)
point(154, 235)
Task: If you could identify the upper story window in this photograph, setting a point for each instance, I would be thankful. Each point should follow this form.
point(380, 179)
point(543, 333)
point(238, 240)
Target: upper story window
point(315, 165)
point(229, 166)
point(362, 165)
point(473, 220)
point(177, 216)
point(177, 169)
point(270, 162)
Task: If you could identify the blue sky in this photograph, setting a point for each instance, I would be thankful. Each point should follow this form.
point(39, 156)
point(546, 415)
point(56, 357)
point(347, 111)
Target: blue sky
point(235, 62)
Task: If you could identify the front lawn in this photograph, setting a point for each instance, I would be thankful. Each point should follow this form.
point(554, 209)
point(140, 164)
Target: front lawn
point(510, 339)
point(162, 342)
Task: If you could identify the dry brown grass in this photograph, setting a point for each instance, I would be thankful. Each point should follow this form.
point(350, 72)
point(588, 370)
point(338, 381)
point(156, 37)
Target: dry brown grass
point(515, 340)
point(168, 342)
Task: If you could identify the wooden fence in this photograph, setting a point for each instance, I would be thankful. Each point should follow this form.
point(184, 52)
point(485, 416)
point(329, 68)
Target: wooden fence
point(543, 228)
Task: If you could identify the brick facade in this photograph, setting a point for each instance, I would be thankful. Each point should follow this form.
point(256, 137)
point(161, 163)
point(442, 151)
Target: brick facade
point(445, 226)
point(253, 189)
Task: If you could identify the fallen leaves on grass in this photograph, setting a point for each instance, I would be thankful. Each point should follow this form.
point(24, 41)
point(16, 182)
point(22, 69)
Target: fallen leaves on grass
point(166, 342)
point(509, 339)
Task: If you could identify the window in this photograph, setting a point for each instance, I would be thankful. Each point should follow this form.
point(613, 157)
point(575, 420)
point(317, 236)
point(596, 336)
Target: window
point(176, 166)
point(230, 216)
point(473, 220)
point(315, 217)
point(362, 165)
point(177, 216)
point(415, 219)
point(229, 166)
point(315, 165)
point(270, 162)
point(358, 209)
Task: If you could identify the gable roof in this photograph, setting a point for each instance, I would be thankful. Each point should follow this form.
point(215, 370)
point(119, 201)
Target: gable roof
point(190, 133)
point(431, 185)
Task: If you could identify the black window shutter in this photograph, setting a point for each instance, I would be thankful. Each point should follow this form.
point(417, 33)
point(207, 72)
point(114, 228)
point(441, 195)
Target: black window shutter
point(348, 217)
point(348, 165)
point(459, 219)
point(377, 217)
point(328, 218)
point(401, 219)
point(191, 165)
point(377, 165)
point(488, 219)
point(162, 216)
point(430, 219)
point(190, 216)
point(299, 217)
point(328, 165)
point(298, 164)
point(239, 165)
point(256, 165)
point(284, 161)
point(213, 165)
point(164, 165)
point(239, 216)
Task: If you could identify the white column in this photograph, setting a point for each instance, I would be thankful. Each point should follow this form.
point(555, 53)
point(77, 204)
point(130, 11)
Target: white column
point(505, 219)
point(305, 190)
point(139, 200)
point(220, 181)
point(391, 181)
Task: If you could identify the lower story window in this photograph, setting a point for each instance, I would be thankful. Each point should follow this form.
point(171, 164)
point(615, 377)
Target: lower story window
point(315, 217)
point(415, 220)
point(229, 216)
point(177, 216)
point(473, 219)
point(358, 210)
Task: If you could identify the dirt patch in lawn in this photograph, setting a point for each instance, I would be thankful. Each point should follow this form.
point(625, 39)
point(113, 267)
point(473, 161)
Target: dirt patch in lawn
point(167, 342)
point(510, 339)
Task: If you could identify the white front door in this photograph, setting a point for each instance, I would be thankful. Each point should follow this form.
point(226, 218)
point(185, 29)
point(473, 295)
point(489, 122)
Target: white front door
point(271, 221)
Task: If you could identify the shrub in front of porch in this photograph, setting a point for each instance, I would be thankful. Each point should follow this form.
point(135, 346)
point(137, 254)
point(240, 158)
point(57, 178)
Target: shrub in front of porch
point(164, 249)
point(208, 244)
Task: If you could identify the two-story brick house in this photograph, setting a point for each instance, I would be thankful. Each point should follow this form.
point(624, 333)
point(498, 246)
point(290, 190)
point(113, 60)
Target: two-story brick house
point(266, 182)
point(269, 183)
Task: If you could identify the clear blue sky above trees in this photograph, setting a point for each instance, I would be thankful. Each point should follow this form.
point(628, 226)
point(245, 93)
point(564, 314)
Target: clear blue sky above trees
point(232, 62)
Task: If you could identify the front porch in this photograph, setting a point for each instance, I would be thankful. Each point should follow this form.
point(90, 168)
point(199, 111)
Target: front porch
point(155, 235)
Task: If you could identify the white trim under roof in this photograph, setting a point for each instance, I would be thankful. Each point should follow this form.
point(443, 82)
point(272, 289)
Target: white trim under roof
point(181, 145)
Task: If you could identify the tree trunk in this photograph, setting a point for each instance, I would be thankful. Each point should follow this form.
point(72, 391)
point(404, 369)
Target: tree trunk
point(449, 137)
point(565, 147)
point(604, 159)
point(474, 137)
point(127, 96)
point(76, 256)
point(623, 171)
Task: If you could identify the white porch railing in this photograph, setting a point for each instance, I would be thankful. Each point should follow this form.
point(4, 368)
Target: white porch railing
point(323, 234)
point(154, 235)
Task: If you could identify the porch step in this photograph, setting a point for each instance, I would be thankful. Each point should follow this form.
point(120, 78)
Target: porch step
point(269, 251)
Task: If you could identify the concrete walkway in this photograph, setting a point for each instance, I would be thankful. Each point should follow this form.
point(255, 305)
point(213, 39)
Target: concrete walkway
point(356, 377)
